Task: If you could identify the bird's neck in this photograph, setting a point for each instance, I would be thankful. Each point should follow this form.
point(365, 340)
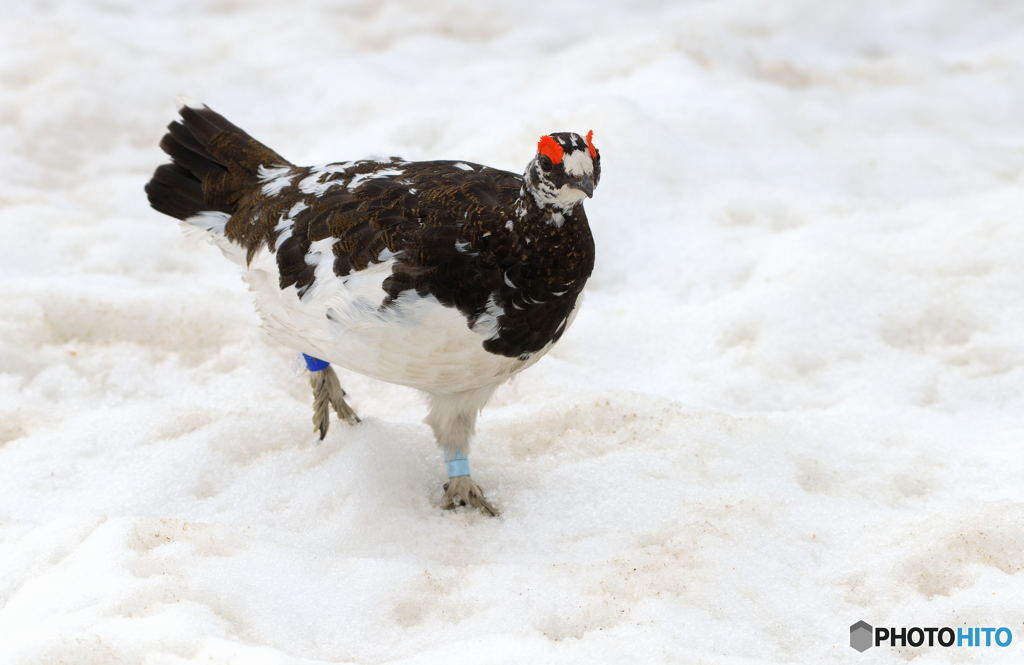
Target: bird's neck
point(533, 210)
point(551, 246)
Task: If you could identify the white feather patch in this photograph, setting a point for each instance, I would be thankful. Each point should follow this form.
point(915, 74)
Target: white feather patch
point(355, 182)
point(211, 221)
point(211, 225)
point(487, 323)
point(414, 341)
point(578, 163)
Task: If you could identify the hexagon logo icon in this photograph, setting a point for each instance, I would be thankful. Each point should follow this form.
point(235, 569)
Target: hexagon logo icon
point(861, 634)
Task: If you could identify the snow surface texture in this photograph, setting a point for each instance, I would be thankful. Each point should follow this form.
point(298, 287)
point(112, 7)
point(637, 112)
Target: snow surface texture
point(792, 399)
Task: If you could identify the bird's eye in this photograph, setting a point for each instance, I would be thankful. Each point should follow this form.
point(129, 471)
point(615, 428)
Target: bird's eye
point(545, 163)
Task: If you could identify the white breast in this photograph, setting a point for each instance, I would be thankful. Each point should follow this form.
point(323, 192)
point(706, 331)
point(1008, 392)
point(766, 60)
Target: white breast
point(416, 341)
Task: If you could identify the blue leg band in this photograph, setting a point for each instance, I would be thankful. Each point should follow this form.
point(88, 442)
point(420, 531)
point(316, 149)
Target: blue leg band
point(315, 364)
point(457, 464)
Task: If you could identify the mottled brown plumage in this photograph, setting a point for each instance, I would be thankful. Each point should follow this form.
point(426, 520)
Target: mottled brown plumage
point(454, 227)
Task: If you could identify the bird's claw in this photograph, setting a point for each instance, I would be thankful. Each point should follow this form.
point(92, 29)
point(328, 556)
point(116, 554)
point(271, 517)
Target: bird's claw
point(462, 491)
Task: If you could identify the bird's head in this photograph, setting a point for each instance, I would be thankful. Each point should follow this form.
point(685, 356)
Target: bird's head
point(566, 169)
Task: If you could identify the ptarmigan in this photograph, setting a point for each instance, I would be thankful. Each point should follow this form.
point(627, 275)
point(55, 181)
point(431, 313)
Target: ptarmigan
point(445, 276)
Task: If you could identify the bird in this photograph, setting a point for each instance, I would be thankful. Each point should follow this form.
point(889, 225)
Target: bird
point(446, 276)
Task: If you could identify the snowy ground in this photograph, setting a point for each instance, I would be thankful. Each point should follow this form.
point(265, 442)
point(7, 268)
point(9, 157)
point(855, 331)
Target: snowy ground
point(793, 398)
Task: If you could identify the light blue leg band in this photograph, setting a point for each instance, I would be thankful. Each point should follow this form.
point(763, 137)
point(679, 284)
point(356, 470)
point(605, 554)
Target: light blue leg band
point(456, 463)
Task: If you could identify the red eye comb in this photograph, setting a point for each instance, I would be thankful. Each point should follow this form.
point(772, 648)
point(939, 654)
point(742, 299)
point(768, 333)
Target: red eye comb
point(549, 147)
point(590, 144)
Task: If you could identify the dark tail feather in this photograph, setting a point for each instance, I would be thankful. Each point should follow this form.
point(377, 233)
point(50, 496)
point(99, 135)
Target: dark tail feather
point(214, 164)
point(176, 192)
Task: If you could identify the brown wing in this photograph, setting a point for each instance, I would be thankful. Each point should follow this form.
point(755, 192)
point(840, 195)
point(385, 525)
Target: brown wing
point(373, 210)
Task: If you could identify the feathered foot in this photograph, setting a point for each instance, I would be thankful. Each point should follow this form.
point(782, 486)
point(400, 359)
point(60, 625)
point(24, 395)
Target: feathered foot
point(461, 491)
point(327, 392)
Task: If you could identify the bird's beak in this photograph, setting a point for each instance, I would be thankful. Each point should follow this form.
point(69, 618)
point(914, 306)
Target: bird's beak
point(586, 185)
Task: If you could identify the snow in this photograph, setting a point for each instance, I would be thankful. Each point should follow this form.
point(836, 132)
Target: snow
point(792, 398)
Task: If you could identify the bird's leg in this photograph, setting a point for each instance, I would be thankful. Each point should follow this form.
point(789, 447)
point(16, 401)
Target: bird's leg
point(327, 392)
point(461, 489)
point(453, 419)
